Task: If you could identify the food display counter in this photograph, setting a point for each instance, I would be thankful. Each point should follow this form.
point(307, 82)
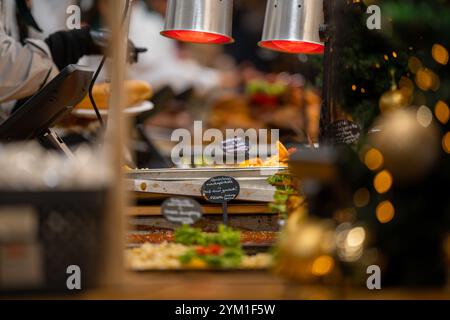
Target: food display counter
point(311, 165)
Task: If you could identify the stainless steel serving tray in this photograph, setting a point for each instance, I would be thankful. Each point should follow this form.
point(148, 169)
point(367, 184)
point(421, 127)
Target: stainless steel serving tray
point(204, 173)
point(253, 181)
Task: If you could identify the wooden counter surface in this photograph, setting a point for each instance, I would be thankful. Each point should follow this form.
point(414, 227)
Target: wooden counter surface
point(235, 286)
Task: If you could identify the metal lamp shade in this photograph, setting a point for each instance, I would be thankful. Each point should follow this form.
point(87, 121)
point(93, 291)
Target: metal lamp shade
point(199, 21)
point(293, 26)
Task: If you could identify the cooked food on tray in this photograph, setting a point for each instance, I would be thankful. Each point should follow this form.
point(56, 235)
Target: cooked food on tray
point(149, 256)
point(278, 160)
point(193, 249)
point(286, 199)
point(247, 237)
point(135, 92)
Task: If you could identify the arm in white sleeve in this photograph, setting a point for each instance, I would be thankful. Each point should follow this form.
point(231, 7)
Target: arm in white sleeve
point(24, 69)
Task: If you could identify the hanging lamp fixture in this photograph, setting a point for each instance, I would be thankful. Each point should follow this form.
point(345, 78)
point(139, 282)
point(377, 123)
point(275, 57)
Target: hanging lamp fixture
point(199, 21)
point(293, 26)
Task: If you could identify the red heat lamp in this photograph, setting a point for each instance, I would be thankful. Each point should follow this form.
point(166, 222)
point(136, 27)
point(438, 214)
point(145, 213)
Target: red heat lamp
point(199, 21)
point(292, 26)
point(296, 47)
point(197, 36)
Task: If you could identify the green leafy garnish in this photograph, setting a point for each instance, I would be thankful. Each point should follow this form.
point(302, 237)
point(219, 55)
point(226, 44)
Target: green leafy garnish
point(225, 237)
point(230, 258)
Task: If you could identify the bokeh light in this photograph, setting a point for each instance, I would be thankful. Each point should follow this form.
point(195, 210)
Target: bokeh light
point(308, 241)
point(350, 242)
point(424, 116)
point(442, 112)
point(414, 64)
point(406, 86)
point(427, 79)
point(446, 142)
point(436, 82)
point(361, 198)
point(356, 237)
point(385, 212)
point(440, 54)
point(383, 182)
point(374, 159)
point(322, 265)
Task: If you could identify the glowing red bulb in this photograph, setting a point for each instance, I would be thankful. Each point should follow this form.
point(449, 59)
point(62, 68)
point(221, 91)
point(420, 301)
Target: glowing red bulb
point(197, 36)
point(293, 46)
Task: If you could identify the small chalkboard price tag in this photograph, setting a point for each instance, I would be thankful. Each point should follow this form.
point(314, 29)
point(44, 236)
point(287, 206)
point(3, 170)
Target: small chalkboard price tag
point(345, 132)
point(221, 189)
point(236, 144)
point(181, 210)
point(238, 147)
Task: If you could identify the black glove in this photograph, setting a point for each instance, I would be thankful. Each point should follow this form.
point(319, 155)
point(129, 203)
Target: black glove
point(101, 39)
point(67, 47)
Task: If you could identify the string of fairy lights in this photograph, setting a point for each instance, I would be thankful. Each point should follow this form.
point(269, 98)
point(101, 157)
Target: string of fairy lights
point(397, 98)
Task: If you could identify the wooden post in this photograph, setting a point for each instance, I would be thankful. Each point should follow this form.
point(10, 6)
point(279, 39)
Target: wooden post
point(116, 140)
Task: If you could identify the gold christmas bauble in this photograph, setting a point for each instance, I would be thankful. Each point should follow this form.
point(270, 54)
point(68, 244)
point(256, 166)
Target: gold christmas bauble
point(409, 142)
point(394, 99)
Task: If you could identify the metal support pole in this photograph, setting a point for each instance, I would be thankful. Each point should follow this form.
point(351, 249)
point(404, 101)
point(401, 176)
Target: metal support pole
point(327, 108)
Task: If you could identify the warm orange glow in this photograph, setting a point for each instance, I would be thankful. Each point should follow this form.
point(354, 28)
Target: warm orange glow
point(414, 64)
point(373, 159)
point(394, 54)
point(354, 87)
point(293, 46)
point(442, 112)
point(386, 57)
point(322, 266)
point(361, 198)
point(446, 142)
point(406, 86)
point(385, 212)
point(440, 54)
point(424, 79)
point(427, 79)
point(197, 36)
point(436, 82)
point(383, 181)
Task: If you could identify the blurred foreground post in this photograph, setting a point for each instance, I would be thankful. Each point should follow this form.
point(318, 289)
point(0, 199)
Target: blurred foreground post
point(116, 141)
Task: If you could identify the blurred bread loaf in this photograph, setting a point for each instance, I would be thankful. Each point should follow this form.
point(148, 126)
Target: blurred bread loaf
point(135, 92)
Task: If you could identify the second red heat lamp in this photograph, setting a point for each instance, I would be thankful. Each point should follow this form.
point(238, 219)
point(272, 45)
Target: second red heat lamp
point(293, 26)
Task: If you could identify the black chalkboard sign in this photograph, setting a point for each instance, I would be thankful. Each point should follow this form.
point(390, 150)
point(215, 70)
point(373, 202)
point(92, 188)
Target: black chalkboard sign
point(238, 147)
point(221, 189)
point(181, 210)
point(236, 144)
point(345, 132)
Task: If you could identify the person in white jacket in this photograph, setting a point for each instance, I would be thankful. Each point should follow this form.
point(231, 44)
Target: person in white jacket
point(24, 68)
point(26, 65)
